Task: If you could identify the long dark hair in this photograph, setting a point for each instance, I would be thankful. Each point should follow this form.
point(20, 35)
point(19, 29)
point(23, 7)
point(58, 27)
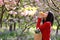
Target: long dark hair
point(49, 18)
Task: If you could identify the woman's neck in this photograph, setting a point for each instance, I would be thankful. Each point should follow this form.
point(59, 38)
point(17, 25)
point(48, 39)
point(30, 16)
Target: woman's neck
point(44, 19)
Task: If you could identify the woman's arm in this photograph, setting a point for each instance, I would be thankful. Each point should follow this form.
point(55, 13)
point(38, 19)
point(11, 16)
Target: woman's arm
point(43, 26)
point(38, 22)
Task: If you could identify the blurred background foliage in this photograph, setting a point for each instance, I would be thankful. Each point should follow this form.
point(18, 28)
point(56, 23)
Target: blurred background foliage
point(18, 18)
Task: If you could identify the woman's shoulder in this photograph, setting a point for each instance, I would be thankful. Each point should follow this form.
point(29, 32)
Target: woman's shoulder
point(47, 23)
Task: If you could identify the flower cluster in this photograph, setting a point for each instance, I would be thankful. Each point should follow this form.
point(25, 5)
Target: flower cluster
point(1, 2)
point(12, 12)
point(10, 4)
point(29, 11)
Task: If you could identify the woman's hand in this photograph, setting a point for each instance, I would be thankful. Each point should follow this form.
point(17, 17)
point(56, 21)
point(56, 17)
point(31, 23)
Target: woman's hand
point(41, 14)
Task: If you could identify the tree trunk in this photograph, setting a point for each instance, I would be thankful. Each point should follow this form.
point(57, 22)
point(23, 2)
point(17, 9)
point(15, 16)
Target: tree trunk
point(14, 26)
point(1, 15)
point(10, 29)
point(0, 23)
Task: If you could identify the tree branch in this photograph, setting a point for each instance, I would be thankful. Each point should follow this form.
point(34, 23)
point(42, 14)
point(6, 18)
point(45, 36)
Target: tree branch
point(55, 4)
point(51, 7)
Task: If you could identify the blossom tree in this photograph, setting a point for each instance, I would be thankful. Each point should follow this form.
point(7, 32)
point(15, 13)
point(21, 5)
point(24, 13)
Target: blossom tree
point(23, 8)
point(24, 12)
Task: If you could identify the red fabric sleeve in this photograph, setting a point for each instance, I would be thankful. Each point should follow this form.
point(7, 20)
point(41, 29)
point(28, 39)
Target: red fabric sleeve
point(46, 24)
point(38, 22)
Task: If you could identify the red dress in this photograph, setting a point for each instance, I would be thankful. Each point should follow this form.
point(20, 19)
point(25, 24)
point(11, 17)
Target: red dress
point(45, 29)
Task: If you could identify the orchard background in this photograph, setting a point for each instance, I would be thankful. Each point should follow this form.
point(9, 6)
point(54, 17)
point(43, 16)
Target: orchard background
point(18, 18)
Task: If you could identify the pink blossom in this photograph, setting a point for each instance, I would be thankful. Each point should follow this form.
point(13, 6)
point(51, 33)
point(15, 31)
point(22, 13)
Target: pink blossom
point(22, 14)
point(7, 6)
point(15, 12)
point(37, 0)
point(25, 13)
point(11, 4)
point(12, 12)
point(58, 0)
point(1, 2)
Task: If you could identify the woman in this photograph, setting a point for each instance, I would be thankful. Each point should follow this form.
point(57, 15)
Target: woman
point(47, 21)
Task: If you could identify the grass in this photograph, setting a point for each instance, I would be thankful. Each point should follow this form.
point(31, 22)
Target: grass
point(30, 33)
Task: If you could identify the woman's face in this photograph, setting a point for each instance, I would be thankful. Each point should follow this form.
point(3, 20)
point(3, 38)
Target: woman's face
point(44, 14)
